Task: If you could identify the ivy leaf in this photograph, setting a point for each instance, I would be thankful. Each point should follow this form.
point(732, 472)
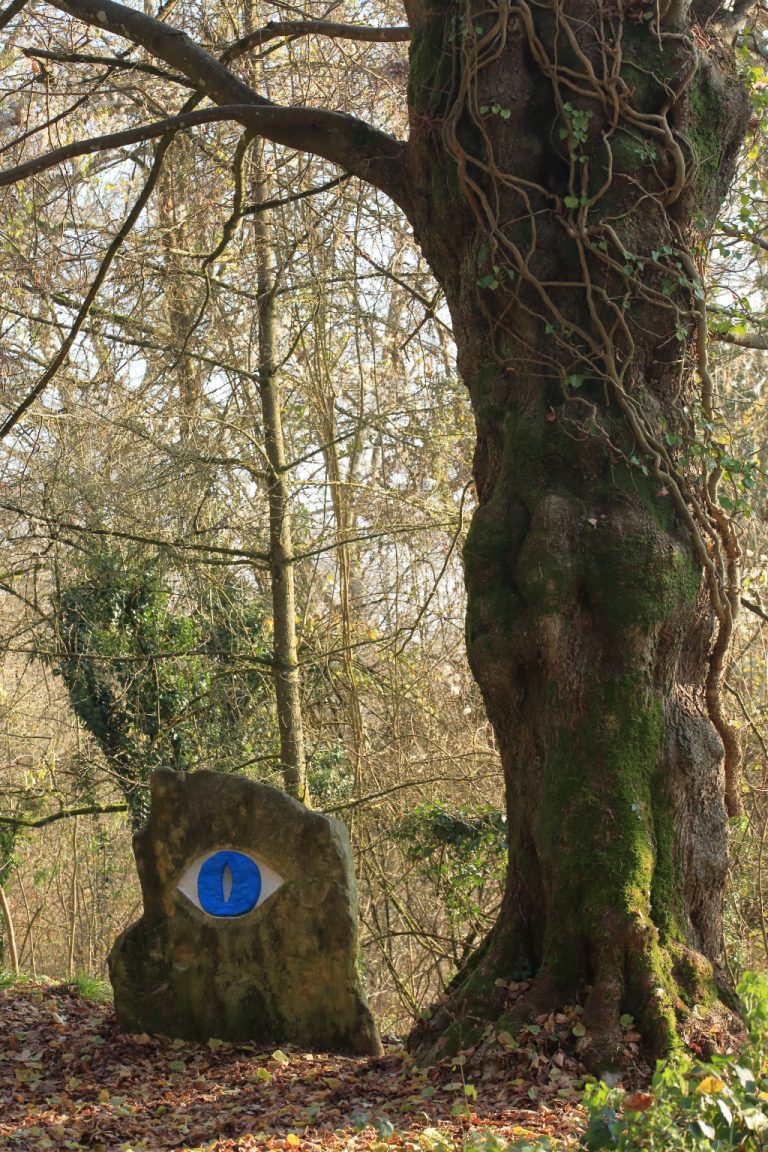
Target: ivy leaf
point(359, 1119)
point(745, 1077)
point(755, 1119)
point(385, 1129)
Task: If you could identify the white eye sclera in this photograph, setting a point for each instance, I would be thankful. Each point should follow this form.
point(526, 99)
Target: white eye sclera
point(227, 883)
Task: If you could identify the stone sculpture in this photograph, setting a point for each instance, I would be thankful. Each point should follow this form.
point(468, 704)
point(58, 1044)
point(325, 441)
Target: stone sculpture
point(249, 929)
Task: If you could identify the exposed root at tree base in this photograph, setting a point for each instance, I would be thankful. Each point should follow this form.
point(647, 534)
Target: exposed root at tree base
point(600, 1034)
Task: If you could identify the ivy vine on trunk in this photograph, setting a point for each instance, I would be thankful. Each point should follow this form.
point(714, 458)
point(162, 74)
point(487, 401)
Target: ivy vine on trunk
point(581, 152)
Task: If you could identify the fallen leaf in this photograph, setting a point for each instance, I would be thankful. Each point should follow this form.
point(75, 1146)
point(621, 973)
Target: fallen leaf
point(637, 1101)
point(710, 1084)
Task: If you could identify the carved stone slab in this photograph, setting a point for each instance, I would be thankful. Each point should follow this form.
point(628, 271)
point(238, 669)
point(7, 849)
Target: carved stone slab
point(249, 929)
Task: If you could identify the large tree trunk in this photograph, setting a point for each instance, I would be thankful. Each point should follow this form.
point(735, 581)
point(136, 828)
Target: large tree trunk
point(567, 163)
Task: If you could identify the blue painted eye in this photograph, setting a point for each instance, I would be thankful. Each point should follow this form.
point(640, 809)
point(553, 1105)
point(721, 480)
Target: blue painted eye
point(228, 883)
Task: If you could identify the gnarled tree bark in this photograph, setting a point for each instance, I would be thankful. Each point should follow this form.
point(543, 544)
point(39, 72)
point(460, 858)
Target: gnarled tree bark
point(568, 160)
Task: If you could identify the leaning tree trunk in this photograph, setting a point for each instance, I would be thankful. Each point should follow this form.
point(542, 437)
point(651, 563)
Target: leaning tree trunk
point(568, 161)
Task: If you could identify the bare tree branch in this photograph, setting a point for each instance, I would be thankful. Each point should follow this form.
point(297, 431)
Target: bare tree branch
point(295, 28)
point(361, 800)
point(737, 16)
point(64, 814)
point(123, 63)
point(12, 10)
point(280, 202)
point(751, 606)
point(742, 234)
point(429, 306)
point(345, 140)
point(758, 341)
point(47, 124)
point(66, 346)
point(120, 140)
point(351, 143)
point(182, 545)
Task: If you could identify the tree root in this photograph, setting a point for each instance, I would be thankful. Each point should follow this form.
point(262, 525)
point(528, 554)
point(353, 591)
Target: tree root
point(633, 975)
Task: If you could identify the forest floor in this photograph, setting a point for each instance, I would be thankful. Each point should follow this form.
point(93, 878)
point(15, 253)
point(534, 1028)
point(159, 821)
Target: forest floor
point(69, 1079)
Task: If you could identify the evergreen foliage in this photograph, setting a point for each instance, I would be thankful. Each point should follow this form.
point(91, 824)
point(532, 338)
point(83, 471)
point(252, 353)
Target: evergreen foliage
point(156, 684)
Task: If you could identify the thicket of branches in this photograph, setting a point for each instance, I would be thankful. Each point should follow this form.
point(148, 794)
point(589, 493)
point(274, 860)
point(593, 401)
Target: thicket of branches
point(244, 376)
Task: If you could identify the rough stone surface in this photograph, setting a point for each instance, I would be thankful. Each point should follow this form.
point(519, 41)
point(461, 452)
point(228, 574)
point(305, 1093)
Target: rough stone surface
point(284, 971)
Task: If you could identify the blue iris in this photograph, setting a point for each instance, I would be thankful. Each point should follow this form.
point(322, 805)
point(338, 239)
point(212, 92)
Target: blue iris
point(229, 884)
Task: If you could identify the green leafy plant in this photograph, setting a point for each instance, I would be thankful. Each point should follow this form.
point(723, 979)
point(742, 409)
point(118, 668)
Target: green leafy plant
point(90, 987)
point(720, 1106)
point(495, 110)
point(330, 775)
point(8, 978)
point(711, 450)
point(157, 680)
point(576, 127)
point(492, 279)
point(461, 851)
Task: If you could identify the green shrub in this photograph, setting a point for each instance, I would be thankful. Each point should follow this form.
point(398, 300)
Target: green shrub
point(161, 678)
point(462, 853)
point(718, 1107)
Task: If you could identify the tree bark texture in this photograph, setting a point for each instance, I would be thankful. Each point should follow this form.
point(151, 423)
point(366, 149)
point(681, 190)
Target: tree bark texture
point(567, 161)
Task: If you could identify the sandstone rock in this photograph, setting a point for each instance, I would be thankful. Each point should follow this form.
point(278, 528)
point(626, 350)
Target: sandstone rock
point(249, 929)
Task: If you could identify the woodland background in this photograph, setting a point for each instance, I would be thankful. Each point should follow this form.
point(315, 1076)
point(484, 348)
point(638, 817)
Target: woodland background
point(143, 617)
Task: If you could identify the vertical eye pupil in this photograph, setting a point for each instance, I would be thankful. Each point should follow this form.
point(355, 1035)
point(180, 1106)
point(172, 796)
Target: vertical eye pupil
point(229, 884)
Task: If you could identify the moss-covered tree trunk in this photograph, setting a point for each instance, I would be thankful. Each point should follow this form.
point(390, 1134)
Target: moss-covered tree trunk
point(567, 163)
